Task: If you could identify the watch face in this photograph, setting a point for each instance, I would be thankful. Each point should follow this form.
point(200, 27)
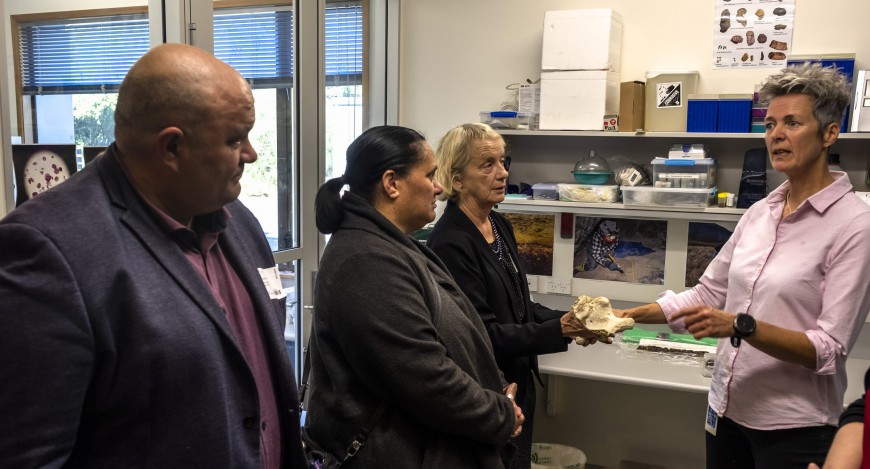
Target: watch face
point(745, 324)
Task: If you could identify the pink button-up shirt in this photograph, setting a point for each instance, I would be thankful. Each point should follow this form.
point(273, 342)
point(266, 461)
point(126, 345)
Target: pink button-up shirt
point(808, 272)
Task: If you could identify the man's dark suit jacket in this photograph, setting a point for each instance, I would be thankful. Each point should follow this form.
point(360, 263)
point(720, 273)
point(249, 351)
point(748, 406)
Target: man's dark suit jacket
point(114, 352)
point(486, 283)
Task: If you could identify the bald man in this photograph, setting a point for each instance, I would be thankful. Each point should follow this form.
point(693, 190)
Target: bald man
point(135, 327)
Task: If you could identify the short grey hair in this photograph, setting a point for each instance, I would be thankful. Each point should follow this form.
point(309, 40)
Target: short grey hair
point(824, 85)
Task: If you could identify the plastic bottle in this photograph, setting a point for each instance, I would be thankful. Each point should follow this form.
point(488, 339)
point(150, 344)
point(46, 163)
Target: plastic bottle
point(834, 162)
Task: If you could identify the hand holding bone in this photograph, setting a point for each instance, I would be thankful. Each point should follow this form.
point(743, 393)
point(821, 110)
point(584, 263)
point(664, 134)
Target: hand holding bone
point(596, 316)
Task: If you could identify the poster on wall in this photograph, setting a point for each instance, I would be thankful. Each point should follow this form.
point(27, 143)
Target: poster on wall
point(534, 234)
point(752, 33)
point(621, 250)
point(38, 168)
point(705, 241)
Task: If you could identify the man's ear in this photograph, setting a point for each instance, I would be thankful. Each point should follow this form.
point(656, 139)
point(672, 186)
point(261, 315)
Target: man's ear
point(168, 141)
point(390, 183)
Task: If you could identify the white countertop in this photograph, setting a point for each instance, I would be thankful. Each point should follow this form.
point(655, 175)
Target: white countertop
point(604, 363)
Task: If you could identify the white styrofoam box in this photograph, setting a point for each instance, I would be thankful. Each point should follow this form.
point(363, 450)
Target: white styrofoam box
point(578, 100)
point(589, 39)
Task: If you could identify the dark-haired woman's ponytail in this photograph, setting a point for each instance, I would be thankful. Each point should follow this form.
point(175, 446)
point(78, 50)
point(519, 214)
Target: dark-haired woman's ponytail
point(328, 212)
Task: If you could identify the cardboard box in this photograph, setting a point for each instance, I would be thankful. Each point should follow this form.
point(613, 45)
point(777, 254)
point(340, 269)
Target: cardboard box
point(631, 101)
point(588, 39)
point(578, 100)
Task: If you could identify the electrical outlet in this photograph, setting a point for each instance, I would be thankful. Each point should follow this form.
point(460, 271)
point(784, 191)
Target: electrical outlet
point(560, 286)
point(533, 283)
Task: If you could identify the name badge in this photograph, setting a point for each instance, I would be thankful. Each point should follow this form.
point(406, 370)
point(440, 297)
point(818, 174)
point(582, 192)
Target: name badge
point(712, 421)
point(272, 282)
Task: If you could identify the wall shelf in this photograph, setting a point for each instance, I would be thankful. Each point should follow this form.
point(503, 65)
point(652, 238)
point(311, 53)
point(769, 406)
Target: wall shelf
point(679, 135)
point(623, 211)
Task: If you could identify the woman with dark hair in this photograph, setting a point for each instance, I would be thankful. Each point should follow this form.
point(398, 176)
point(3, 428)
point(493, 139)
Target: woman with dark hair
point(396, 347)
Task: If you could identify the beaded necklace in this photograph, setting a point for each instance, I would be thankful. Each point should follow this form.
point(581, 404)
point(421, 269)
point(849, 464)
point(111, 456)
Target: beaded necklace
point(499, 248)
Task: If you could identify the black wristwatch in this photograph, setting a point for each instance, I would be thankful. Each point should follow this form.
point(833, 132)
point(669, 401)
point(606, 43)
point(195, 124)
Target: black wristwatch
point(744, 326)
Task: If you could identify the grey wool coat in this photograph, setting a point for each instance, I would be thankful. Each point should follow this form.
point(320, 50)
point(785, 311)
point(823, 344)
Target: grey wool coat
point(391, 325)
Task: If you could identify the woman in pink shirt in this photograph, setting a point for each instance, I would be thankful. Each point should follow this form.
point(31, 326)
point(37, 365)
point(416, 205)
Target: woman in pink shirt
point(789, 290)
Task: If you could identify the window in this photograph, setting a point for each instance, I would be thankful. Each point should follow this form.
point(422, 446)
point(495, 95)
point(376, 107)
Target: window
point(69, 66)
point(344, 91)
point(70, 69)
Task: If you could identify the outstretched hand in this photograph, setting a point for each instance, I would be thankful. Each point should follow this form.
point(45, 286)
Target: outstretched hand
point(705, 321)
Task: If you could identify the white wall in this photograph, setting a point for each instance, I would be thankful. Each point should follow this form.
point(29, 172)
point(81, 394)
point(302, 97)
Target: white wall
point(457, 56)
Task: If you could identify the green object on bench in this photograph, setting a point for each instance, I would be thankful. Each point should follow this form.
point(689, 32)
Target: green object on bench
point(633, 336)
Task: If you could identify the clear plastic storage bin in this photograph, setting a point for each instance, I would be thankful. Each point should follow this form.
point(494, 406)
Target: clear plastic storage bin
point(592, 193)
point(506, 119)
point(684, 173)
point(658, 196)
point(545, 191)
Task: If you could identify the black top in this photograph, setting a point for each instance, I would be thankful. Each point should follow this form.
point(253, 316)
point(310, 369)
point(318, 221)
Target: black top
point(517, 338)
point(855, 411)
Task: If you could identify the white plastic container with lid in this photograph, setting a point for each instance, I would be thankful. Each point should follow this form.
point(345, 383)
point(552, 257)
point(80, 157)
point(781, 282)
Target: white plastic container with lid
point(666, 104)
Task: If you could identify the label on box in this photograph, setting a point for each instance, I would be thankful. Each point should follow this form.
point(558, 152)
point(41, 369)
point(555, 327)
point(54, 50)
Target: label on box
point(669, 94)
point(610, 123)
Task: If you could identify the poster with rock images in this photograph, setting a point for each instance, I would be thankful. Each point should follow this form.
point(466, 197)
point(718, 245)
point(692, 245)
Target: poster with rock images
point(752, 33)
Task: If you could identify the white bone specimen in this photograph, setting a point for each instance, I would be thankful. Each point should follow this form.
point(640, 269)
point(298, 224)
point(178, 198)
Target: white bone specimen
point(596, 315)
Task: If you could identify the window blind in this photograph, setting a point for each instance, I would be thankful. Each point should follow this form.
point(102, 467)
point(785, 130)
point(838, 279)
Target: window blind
point(92, 55)
point(259, 44)
point(80, 55)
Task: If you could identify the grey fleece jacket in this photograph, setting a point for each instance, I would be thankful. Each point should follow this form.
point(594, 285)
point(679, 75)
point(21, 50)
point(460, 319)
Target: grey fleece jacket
point(390, 324)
